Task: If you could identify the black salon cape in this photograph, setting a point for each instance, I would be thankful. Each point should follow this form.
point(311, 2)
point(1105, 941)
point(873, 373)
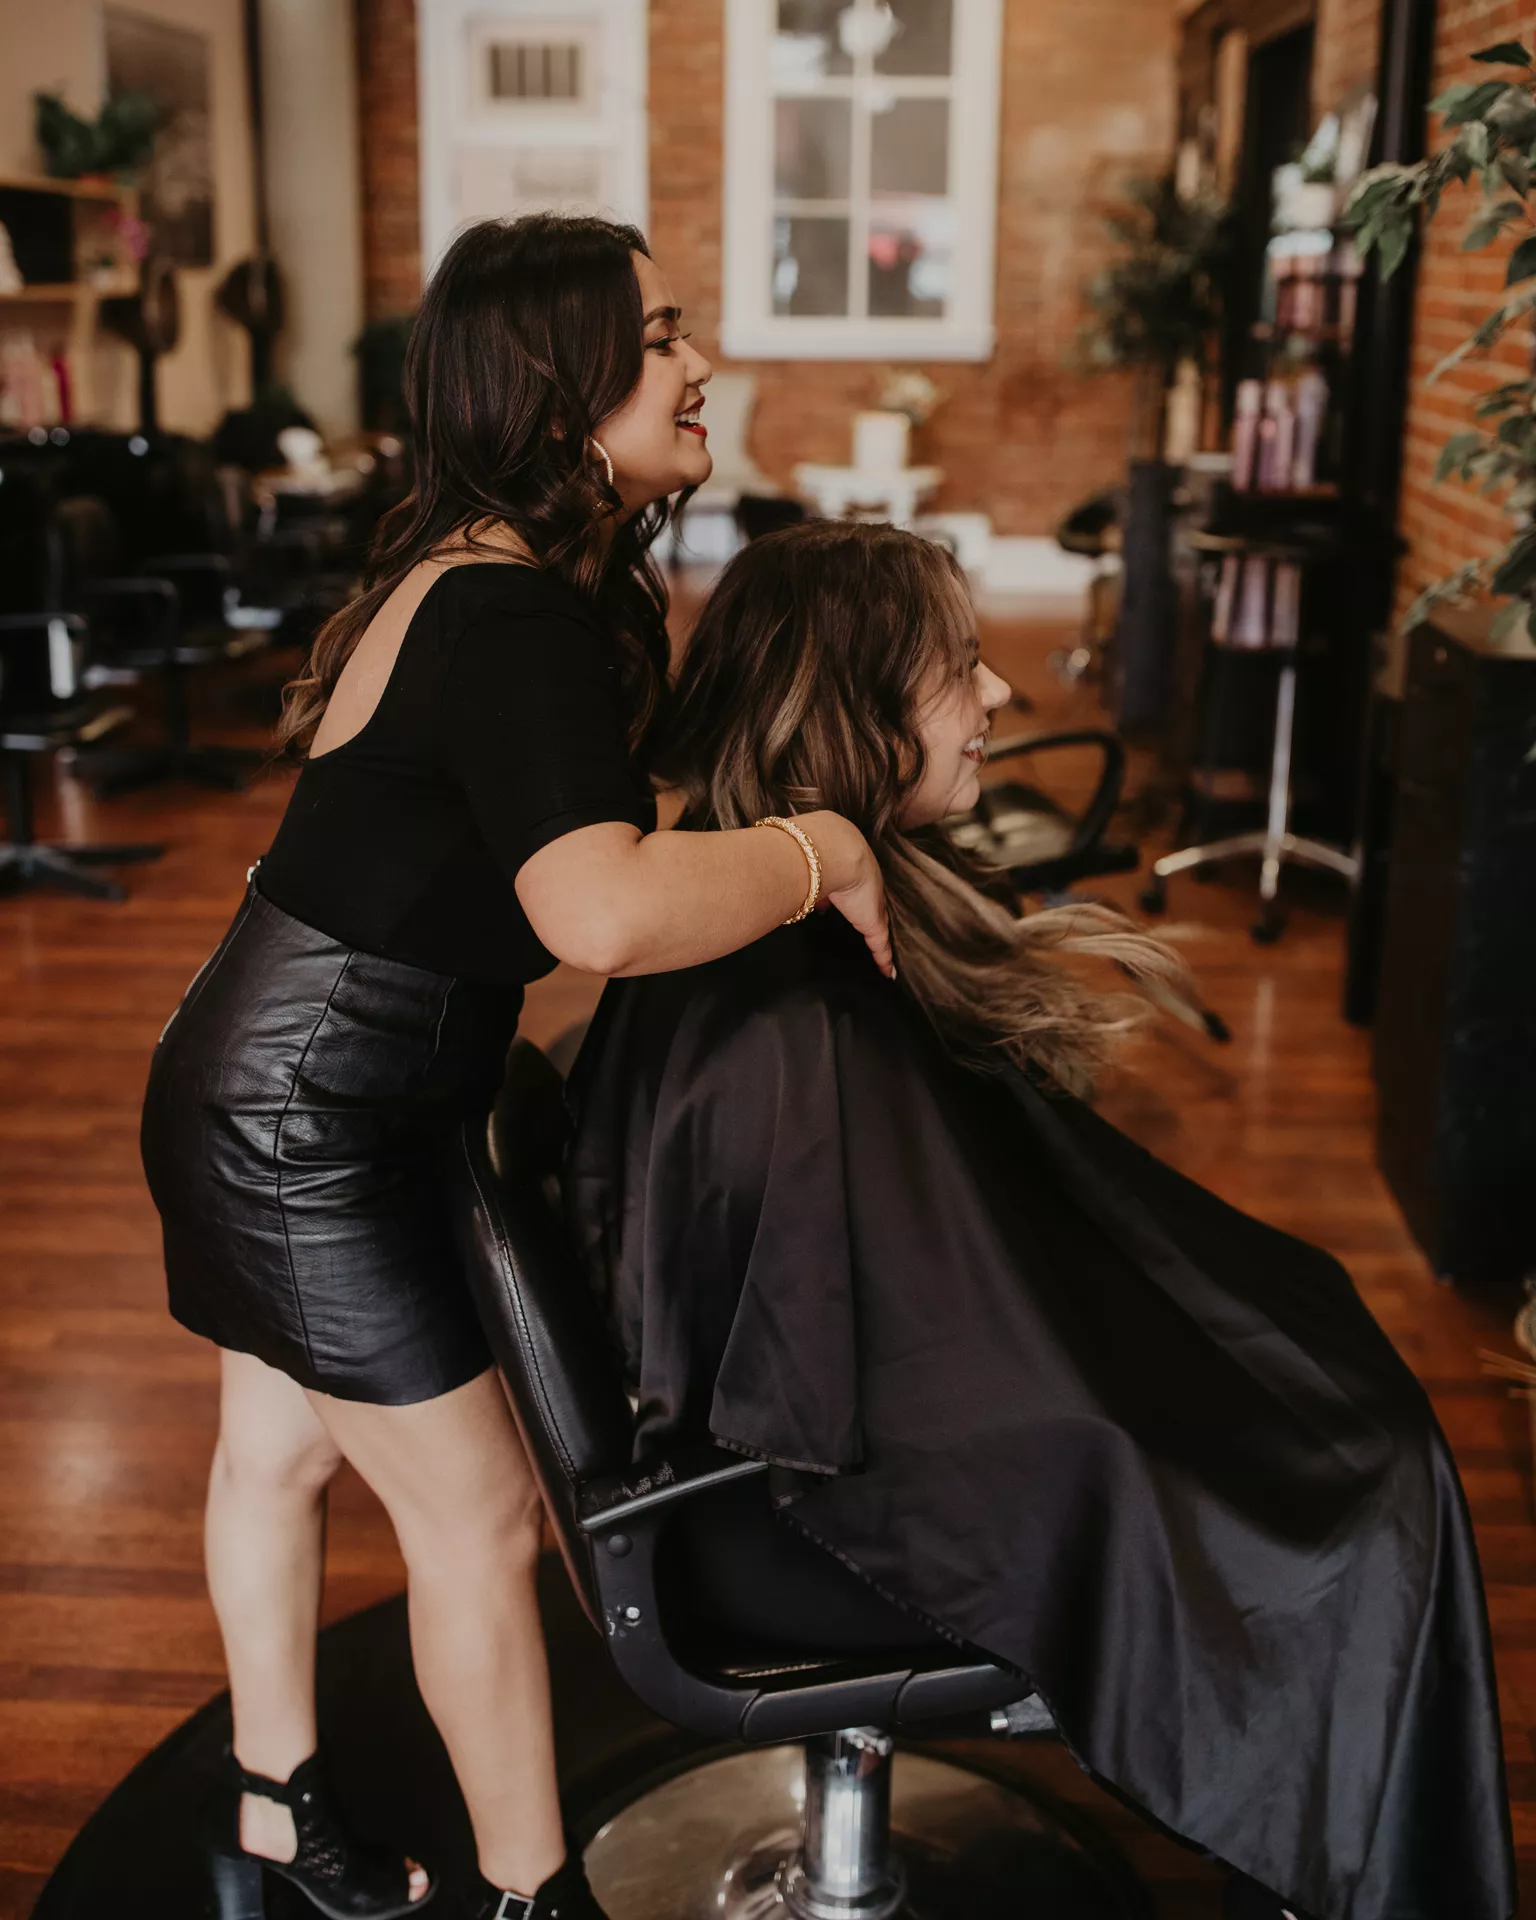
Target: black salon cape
point(1065, 1403)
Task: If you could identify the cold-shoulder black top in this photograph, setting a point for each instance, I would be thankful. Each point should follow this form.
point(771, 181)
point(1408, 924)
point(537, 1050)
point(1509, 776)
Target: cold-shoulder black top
point(502, 727)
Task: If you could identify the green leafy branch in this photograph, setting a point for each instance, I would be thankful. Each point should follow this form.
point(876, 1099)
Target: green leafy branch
point(1493, 128)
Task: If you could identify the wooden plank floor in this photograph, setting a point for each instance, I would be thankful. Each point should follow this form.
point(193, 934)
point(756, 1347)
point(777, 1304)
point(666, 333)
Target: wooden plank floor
point(107, 1408)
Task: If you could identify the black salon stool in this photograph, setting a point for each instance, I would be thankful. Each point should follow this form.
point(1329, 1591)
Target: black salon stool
point(734, 1630)
point(45, 708)
point(1279, 569)
point(165, 621)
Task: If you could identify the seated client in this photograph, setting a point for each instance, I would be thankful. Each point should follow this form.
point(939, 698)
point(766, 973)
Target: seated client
point(1042, 1395)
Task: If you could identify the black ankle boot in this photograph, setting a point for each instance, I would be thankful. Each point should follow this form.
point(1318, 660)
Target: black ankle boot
point(565, 1895)
point(345, 1878)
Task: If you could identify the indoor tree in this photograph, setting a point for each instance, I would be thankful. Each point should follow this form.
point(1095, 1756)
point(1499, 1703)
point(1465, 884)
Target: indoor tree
point(1492, 127)
point(1158, 301)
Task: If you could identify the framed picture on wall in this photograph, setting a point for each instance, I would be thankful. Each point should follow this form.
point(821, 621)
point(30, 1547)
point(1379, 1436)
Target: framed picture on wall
point(170, 64)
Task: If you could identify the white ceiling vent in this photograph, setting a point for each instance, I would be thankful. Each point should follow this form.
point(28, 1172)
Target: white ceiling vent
point(537, 72)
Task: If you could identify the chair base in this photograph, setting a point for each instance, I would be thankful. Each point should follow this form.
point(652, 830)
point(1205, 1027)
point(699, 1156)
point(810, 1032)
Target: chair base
point(721, 1840)
point(36, 866)
point(111, 773)
point(1275, 851)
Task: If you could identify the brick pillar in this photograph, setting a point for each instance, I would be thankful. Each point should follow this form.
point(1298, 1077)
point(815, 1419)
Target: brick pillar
point(386, 62)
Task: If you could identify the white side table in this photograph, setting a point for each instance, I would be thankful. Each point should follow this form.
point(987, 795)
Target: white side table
point(891, 493)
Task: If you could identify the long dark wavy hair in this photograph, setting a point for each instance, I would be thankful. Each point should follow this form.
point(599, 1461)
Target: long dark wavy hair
point(802, 687)
point(529, 334)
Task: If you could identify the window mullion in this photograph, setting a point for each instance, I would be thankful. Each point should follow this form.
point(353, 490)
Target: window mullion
point(859, 195)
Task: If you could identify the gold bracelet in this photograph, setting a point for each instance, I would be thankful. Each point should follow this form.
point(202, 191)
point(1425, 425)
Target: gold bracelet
point(812, 859)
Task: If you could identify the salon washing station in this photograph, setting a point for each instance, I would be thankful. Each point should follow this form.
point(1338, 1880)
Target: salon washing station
point(798, 1803)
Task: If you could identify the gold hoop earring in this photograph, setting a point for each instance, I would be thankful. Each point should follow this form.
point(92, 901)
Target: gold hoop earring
point(607, 463)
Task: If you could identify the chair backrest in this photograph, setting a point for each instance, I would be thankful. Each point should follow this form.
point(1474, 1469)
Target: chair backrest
point(539, 1314)
point(729, 400)
point(85, 545)
point(25, 503)
point(41, 659)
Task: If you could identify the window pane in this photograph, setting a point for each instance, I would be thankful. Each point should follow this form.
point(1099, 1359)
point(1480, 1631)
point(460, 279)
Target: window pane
point(909, 255)
point(924, 38)
point(806, 46)
point(812, 142)
point(910, 148)
point(810, 266)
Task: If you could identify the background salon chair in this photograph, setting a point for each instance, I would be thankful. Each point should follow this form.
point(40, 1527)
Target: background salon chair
point(1043, 846)
point(796, 1679)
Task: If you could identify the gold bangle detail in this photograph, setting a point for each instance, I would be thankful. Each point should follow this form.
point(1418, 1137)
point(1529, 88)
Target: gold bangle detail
point(812, 859)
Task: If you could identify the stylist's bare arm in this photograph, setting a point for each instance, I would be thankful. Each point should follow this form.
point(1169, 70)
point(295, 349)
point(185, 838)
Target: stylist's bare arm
point(612, 901)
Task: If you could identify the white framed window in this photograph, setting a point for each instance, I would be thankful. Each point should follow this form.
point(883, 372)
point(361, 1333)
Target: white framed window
point(860, 178)
point(530, 104)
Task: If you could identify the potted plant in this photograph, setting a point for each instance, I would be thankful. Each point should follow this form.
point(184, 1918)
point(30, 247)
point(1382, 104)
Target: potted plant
point(115, 145)
point(1156, 305)
point(1492, 123)
point(1158, 301)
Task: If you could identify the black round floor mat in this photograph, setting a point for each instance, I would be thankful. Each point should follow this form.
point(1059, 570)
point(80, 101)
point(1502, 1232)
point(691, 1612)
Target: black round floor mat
point(138, 1854)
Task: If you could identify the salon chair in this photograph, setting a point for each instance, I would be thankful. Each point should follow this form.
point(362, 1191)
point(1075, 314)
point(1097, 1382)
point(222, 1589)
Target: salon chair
point(735, 1629)
point(46, 708)
point(168, 619)
point(1042, 845)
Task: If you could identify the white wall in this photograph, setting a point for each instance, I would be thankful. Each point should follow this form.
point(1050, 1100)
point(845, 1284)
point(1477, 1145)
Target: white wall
point(57, 46)
point(309, 107)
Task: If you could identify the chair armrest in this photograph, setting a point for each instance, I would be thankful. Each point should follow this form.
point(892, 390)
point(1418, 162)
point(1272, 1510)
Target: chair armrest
point(611, 1503)
point(166, 566)
point(1106, 795)
point(131, 587)
point(39, 622)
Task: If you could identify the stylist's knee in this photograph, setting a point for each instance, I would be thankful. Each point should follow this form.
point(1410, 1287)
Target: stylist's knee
point(257, 1462)
point(485, 1531)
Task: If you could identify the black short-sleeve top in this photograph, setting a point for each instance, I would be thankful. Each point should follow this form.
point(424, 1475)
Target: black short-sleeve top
point(503, 726)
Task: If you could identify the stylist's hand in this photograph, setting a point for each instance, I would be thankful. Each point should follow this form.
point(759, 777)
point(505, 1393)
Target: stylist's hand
point(851, 881)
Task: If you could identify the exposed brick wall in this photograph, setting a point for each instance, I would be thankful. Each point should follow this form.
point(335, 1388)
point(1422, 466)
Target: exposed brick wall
point(1088, 92)
point(1448, 524)
point(1348, 39)
point(387, 116)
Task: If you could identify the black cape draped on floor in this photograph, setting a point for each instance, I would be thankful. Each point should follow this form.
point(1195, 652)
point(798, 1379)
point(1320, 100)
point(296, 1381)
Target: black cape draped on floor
point(1065, 1403)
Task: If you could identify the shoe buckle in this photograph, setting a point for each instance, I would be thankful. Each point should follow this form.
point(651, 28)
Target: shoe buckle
point(513, 1907)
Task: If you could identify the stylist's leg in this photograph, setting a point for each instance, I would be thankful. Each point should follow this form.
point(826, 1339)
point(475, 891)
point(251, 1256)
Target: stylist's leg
point(264, 1538)
point(454, 1479)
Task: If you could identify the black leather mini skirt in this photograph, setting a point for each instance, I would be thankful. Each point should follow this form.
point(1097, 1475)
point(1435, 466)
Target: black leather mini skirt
point(300, 1106)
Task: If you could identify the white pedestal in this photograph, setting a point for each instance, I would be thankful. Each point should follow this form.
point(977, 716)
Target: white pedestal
point(890, 494)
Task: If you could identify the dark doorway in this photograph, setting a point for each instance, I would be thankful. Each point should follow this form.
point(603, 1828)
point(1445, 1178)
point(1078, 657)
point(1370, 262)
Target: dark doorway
point(1277, 121)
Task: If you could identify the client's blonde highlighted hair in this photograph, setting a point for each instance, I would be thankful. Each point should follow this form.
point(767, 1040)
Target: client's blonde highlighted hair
point(800, 688)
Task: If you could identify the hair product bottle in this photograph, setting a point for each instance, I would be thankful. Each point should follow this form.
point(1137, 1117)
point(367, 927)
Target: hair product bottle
point(1245, 433)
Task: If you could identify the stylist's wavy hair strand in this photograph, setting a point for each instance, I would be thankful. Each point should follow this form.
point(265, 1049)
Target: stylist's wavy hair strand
point(801, 688)
point(530, 332)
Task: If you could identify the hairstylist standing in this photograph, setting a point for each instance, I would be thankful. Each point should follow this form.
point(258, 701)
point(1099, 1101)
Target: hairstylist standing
point(473, 808)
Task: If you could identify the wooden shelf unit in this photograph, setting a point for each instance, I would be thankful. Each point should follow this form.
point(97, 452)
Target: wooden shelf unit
point(95, 189)
point(63, 314)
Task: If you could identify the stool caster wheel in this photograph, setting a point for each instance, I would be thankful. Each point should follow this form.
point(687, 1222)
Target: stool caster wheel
point(1269, 926)
point(1154, 895)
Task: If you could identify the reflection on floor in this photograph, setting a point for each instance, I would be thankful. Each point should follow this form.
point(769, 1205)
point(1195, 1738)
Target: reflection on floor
point(107, 1409)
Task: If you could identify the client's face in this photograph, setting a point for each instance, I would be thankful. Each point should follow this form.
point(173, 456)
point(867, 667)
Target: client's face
point(954, 722)
point(656, 440)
